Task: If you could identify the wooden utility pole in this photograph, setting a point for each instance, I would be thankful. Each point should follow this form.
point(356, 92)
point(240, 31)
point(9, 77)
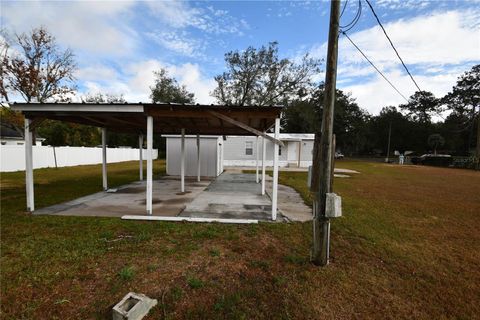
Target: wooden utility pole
point(322, 165)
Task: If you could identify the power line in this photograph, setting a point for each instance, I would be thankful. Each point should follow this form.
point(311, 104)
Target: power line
point(392, 45)
point(373, 65)
point(349, 26)
point(344, 6)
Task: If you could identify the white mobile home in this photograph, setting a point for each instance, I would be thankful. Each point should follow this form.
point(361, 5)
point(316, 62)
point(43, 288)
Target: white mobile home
point(242, 150)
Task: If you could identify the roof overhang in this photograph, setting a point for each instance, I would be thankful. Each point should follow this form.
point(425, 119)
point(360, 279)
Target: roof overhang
point(168, 118)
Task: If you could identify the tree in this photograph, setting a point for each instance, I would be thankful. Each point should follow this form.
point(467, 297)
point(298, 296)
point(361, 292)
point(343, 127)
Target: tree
point(58, 133)
point(350, 126)
point(36, 69)
point(457, 130)
point(166, 89)
point(103, 98)
point(12, 119)
point(464, 99)
point(260, 77)
point(435, 140)
point(421, 105)
point(404, 136)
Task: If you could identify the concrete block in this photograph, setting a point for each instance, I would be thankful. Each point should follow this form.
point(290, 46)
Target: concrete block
point(333, 208)
point(133, 306)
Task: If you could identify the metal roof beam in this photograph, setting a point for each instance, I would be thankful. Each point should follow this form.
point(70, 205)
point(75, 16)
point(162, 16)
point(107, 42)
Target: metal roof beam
point(245, 127)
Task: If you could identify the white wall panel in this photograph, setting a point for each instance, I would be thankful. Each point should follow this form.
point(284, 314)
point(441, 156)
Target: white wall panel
point(12, 157)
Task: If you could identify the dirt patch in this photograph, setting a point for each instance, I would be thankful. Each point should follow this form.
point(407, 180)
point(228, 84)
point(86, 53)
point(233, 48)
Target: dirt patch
point(176, 200)
point(154, 201)
point(183, 193)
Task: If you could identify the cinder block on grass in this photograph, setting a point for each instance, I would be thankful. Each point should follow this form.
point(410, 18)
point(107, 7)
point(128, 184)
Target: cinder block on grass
point(133, 306)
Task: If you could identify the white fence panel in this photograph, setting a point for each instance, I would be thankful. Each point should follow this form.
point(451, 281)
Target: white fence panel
point(12, 157)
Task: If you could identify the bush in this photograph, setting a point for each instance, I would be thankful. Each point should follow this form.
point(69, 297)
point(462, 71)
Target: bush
point(127, 273)
point(464, 162)
point(441, 161)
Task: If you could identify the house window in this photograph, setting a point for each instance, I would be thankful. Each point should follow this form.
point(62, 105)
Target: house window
point(248, 148)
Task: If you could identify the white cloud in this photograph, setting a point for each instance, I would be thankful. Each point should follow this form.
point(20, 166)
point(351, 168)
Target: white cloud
point(440, 38)
point(179, 14)
point(95, 72)
point(136, 78)
point(377, 93)
point(179, 42)
point(191, 76)
point(403, 4)
point(436, 47)
point(96, 27)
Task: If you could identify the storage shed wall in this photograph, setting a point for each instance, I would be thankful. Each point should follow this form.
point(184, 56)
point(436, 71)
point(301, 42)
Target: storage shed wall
point(210, 156)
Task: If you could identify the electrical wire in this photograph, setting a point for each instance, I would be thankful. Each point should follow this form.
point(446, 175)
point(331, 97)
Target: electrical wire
point(344, 6)
point(373, 65)
point(349, 26)
point(392, 45)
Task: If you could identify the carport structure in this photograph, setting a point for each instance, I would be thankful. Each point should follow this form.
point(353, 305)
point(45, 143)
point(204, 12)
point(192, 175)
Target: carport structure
point(146, 119)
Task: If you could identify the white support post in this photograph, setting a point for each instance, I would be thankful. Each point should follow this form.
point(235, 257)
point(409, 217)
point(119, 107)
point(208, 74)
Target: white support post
point(275, 171)
point(198, 157)
point(140, 155)
point(182, 164)
point(264, 149)
point(149, 196)
point(29, 166)
point(256, 159)
point(104, 159)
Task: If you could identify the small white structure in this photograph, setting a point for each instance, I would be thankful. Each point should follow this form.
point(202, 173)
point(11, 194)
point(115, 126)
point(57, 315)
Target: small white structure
point(242, 151)
point(10, 137)
point(210, 160)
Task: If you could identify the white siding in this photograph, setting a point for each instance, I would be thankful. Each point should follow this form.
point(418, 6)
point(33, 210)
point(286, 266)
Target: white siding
point(235, 149)
point(307, 150)
point(234, 152)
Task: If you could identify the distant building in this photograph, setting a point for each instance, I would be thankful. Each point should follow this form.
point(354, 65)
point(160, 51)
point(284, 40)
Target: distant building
point(241, 151)
point(9, 136)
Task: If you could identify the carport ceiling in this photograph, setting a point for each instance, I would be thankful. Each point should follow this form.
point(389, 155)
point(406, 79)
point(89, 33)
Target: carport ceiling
point(168, 118)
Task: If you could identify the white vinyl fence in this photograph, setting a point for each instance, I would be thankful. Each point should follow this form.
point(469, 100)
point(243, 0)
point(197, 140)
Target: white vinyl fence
point(12, 157)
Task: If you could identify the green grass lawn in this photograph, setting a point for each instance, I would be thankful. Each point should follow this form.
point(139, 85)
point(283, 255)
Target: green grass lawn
point(408, 246)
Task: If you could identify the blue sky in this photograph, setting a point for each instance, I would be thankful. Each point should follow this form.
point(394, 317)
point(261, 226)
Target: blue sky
point(118, 44)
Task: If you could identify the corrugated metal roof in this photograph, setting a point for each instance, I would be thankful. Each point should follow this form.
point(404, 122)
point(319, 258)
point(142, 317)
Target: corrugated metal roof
point(169, 118)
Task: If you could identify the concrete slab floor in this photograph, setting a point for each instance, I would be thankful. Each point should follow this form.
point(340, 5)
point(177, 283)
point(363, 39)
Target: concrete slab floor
point(231, 195)
point(130, 200)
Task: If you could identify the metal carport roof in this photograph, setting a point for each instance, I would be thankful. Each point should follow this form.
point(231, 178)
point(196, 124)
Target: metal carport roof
point(168, 118)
